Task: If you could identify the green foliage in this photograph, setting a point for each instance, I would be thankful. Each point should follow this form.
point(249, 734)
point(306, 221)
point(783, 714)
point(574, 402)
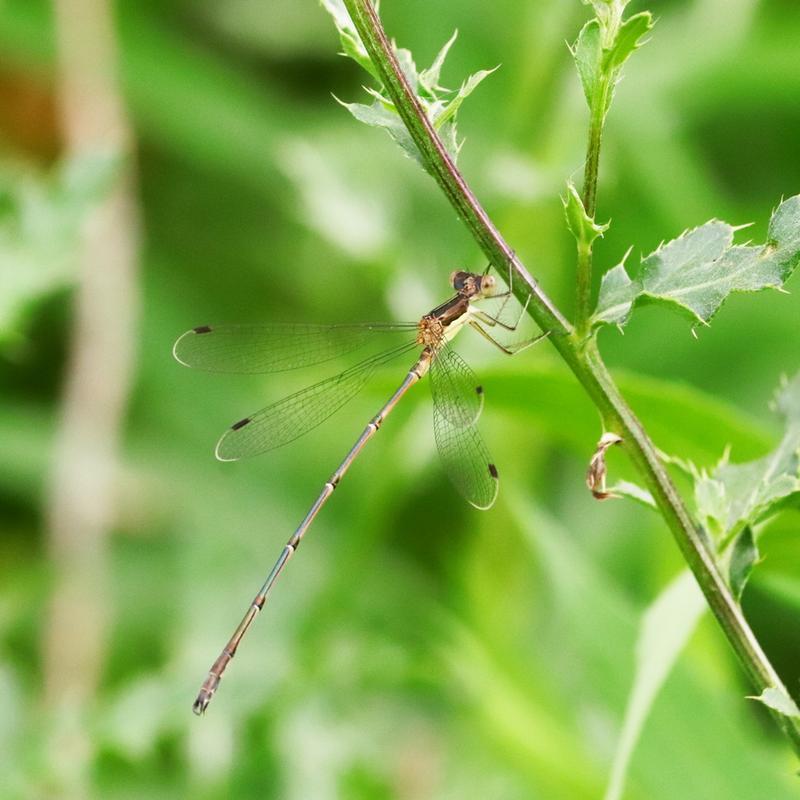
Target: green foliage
point(604, 44)
point(736, 496)
point(652, 678)
point(681, 419)
point(416, 647)
point(629, 37)
point(743, 557)
point(440, 104)
point(588, 54)
point(607, 10)
point(581, 225)
point(696, 272)
point(352, 46)
point(40, 219)
point(665, 628)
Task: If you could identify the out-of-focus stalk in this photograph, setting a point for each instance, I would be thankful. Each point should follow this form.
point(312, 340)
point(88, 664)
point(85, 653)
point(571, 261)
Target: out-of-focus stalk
point(99, 371)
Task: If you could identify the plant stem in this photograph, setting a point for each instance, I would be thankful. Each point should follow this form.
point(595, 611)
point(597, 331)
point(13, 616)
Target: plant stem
point(581, 356)
point(589, 198)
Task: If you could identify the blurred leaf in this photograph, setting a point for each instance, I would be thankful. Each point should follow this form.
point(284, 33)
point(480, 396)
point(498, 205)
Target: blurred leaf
point(734, 495)
point(679, 418)
point(526, 731)
point(663, 633)
point(743, 557)
point(591, 673)
point(182, 96)
point(26, 432)
point(40, 220)
point(697, 271)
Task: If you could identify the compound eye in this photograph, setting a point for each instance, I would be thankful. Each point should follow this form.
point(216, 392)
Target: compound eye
point(459, 280)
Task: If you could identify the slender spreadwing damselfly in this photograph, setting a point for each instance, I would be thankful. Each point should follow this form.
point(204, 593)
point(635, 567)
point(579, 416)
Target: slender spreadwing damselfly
point(457, 400)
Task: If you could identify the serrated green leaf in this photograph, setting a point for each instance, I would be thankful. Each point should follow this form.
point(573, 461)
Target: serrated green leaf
point(736, 495)
point(779, 701)
point(628, 38)
point(603, 46)
point(696, 272)
point(752, 489)
point(744, 556)
point(617, 293)
point(448, 110)
point(581, 225)
point(712, 504)
point(378, 115)
point(588, 55)
point(407, 66)
point(429, 78)
point(352, 46)
point(441, 105)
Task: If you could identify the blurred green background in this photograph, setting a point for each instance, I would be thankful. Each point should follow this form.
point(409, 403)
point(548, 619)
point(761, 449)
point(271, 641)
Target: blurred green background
point(417, 648)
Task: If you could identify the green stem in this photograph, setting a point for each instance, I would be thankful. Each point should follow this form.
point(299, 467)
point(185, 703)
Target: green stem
point(580, 355)
point(591, 170)
point(583, 290)
point(590, 173)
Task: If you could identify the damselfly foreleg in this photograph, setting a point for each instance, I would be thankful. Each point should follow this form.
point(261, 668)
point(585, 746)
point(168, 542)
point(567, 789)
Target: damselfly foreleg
point(510, 349)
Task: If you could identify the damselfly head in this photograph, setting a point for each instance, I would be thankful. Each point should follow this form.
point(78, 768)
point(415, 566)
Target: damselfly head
point(468, 284)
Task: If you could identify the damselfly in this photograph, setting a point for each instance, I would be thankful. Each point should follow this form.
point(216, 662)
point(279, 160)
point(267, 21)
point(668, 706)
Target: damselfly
point(457, 401)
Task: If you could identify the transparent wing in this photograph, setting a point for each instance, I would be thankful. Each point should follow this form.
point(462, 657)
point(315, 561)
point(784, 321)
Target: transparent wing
point(277, 347)
point(466, 461)
point(464, 455)
point(456, 391)
point(297, 414)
